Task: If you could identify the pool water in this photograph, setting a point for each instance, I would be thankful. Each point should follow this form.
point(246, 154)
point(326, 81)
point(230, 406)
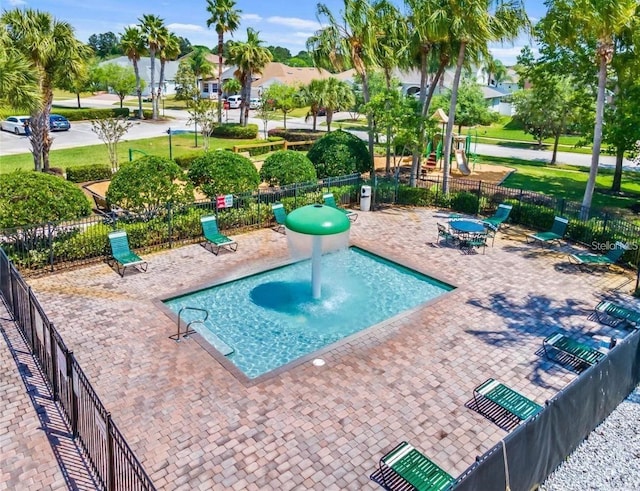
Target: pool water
point(270, 319)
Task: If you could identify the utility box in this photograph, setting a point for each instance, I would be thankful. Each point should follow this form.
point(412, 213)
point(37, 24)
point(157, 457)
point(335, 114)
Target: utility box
point(365, 198)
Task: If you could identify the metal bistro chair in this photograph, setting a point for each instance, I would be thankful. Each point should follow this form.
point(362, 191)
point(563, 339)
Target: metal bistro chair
point(472, 241)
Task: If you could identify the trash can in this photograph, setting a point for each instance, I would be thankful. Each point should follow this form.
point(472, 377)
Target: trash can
point(365, 198)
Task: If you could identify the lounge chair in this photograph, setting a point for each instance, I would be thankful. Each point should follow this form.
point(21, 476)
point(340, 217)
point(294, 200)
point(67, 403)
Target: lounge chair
point(280, 215)
point(330, 200)
point(506, 398)
point(214, 240)
point(576, 352)
point(556, 233)
point(619, 314)
point(405, 468)
point(589, 259)
point(122, 255)
point(499, 217)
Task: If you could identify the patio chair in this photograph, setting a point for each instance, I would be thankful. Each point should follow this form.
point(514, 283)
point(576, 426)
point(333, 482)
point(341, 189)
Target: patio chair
point(405, 468)
point(619, 314)
point(214, 240)
point(499, 217)
point(570, 348)
point(280, 214)
point(121, 254)
point(330, 200)
point(556, 233)
point(470, 242)
point(505, 398)
point(594, 260)
point(443, 233)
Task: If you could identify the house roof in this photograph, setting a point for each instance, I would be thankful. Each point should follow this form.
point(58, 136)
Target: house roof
point(280, 73)
point(491, 92)
point(144, 67)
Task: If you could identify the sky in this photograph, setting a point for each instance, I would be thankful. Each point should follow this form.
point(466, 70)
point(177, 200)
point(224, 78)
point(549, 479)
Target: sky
point(286, 23)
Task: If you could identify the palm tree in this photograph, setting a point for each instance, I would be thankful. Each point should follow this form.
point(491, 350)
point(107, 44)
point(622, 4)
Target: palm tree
point(312, 95)
point(249, 57)
point(473, 26)
point(18, 84)
point(226, 19)
point(132, 43)
point(199, 64)
point(338, 96)
point(170, 50)
point(154, 32)
point(347, 43)
point(54, 55)
point(579, 22)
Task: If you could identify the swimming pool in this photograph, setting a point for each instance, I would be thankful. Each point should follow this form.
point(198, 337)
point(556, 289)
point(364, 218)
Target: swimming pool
point(270, 319)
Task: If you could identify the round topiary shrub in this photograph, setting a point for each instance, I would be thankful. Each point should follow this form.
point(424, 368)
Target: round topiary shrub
point(223, 172)
point(287, 167)
point(31, 198)
point(146, 185)
point(339, 153)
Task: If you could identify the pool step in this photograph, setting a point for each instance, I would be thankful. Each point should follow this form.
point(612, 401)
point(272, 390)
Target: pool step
point(219, 344)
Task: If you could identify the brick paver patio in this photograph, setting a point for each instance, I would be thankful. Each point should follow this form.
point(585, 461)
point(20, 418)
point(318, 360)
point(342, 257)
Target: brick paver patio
point(195, 426)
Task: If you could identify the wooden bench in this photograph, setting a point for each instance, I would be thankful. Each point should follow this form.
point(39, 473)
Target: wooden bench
point(577, 352)
point(405, 468)
point(506, 398)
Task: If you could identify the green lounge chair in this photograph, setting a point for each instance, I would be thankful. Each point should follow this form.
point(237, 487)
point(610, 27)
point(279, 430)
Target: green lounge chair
point(499, 217)
point(577, 352)
point(589, 259)
point(556, 233)
point(122, 255)
point(280, 215)
point(404, 466)
point(506, 398)
point(213, 238)
point(330, 200)
point(619, 314)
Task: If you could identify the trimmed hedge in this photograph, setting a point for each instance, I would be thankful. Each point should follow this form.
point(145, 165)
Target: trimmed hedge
point(236, 131)
point(84, 173)
point(90, 113)
point(296, 135)
point(338, 154)
point(184, 161)
point(287, 167)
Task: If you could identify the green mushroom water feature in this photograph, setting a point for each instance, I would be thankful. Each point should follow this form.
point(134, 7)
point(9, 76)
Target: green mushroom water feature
point(314, 230)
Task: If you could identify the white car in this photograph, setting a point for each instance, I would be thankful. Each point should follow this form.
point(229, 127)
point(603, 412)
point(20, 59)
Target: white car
point(234, 101)
point(15, 124)
point(254, 103)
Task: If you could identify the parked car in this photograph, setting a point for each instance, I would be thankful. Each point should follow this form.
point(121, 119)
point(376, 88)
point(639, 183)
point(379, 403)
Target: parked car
point(58, 123)
point(234, 101)
point(15, 124)
point(254, 103)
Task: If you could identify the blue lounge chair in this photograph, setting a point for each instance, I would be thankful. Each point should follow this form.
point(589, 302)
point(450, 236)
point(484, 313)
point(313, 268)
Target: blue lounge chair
point(499, 217)
point(595, 260)
point(214, 240)
point(405, 468)
point(330, 200)
point(280, 214)
point(122, 255)
point(556, 233)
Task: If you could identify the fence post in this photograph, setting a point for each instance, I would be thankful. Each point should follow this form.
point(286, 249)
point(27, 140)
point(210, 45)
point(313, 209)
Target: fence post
point(50, 234)
point(259, 216)
point(111, 467)
point(53, 346)
point(295, 195)
point(479, 196)
point(73, 394)
point(170, 224)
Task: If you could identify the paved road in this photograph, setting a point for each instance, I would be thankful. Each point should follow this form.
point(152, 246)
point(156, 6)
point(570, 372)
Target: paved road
point(81, 135)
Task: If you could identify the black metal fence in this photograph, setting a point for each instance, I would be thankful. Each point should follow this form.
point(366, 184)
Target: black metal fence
point(56, 246)
point(535, 448)
point(111, 459)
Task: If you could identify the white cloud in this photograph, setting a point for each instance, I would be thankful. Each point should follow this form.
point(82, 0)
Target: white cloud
point(251, 17)
point(16, 3)
point(509, 55)
point(176, 26)
point(295, 22)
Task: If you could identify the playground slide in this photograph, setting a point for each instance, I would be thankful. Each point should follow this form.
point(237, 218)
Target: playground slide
point(461, 159)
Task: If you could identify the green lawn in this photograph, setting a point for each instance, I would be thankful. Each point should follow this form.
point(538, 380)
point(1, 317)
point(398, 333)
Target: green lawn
point(97, 154)
point(568, 181)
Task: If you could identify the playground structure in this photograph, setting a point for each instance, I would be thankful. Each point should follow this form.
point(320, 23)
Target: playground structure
point(461, 150)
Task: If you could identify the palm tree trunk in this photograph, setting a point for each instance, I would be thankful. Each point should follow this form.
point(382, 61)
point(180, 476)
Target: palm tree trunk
point(366, 97)
point(163, 62)
point(329, 119)
point(152, 62)
point(136, 70)
point(597, 140)
point(452, 114)
point(220, 46)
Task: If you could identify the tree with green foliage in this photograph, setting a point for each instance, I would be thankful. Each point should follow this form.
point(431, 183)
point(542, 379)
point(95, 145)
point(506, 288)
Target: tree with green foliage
point(338, 96)
point(119, 79)
point(284, 99)
point(146, 185)
point(155, 34)
point(223, 172)
point(471, 108)
point(111, 131)
point(78, 83)
point(169, 50)
point(31, 198)
point(18, 84)
point(226, 18)
point(312, 95)
point(339, 153)
point(54, 55)
point(279, 54)
point(185, 46)
point(105, 44)
point(133, 45)
point(265, 110)
point(287, 167)
point(572, 24)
